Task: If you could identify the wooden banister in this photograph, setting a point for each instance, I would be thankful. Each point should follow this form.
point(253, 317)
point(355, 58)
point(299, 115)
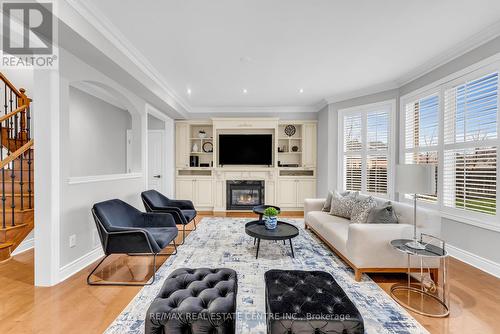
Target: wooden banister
point(11, 85)
point(16, 154)
point(9, 115)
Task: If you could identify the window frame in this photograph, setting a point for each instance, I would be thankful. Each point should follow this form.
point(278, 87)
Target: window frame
point(363, 110)
point(471, 73)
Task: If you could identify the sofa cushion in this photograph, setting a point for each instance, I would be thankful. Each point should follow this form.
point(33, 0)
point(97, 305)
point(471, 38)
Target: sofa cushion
point(331, 228)
point(382, 215)
point(361, 209)
point(328, 203)
point(342, 204)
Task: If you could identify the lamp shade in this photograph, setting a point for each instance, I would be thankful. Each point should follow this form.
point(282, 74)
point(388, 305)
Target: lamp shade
point(416, 179)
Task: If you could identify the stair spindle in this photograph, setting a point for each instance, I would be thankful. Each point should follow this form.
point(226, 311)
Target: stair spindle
point(13, 203)
point(21, 183)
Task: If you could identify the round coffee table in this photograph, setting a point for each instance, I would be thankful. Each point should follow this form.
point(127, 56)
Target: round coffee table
point(283, 231)
point(259, 210)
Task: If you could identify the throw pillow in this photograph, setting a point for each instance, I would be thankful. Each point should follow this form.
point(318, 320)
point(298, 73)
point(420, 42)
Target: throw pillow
point(342, 204)
point(382, 215)
point(328, 202)
point(361, 209)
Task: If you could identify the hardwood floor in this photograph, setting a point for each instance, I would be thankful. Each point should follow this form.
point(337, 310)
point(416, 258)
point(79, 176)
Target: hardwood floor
point(74, 307)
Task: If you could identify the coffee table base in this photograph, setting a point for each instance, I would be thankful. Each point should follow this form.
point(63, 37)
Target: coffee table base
point(284, 243)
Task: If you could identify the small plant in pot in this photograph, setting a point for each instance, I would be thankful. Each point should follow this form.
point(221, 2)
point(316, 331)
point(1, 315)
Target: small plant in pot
point(271, 218)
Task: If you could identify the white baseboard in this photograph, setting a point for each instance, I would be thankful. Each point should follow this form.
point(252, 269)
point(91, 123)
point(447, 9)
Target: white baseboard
point(24, 246)
point(491, 267)
point(72, 268)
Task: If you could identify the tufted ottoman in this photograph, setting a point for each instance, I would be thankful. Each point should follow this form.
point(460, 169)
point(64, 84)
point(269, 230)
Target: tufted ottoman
point(195, 301)
point(308, 302)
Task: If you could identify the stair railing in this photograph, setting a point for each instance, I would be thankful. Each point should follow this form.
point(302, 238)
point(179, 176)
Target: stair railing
point(15, 152)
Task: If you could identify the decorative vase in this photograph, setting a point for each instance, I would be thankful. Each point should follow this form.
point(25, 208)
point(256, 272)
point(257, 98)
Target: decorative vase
point(195, 147)
point(271, 222)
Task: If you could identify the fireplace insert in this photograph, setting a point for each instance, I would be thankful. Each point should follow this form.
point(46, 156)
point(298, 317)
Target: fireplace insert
point(244, 195)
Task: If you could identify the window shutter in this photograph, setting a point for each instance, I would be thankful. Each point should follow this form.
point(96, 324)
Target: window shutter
point(352, 171)
point(377, 128)
point(352, 133)
point(376, 174)
point(470, 159)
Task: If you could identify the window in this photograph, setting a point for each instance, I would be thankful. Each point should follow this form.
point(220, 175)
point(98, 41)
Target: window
point(455, 125)
point(422, 135)
point(366, 148)
point(470, 145)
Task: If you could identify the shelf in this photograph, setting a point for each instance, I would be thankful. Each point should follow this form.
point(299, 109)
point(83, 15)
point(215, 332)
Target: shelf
point(201, 153)
point(298, 152)
point(194, 138)
point(287, 138)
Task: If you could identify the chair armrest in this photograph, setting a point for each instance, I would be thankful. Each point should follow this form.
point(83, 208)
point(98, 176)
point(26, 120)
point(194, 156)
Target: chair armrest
point(157, 219)
point(130, 241)
point(175, 212)
point(181, 204)
point(368, 245)
point(313, 204)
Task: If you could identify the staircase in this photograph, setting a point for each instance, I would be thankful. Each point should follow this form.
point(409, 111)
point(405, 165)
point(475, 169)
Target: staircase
point(16, 168)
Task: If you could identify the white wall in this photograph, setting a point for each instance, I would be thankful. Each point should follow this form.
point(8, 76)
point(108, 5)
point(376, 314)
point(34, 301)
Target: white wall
point(155, 123)
point(97, 134)
point(76, 199)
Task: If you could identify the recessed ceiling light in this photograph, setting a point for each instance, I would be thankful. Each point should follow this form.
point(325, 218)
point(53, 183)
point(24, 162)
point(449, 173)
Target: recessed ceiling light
point(245, 91)
point(301, 90)
point(189, 91)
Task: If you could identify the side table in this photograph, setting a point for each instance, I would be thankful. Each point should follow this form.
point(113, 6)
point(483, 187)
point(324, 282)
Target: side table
point(416, 296)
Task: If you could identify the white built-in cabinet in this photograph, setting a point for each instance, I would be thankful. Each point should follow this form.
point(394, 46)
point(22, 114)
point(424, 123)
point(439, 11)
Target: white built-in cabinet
point(199, 190)
point(182, 145)
point(292, 192)
point(290, 180)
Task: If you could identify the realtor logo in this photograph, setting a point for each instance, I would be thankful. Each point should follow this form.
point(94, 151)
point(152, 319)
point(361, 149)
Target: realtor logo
point(34, 28)
point(28, 34)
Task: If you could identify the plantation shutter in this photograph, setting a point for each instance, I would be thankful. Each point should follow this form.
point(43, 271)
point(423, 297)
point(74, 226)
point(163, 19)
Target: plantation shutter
point(422, 135)
point(470, 145)
point(377, 139)
point(352, 150)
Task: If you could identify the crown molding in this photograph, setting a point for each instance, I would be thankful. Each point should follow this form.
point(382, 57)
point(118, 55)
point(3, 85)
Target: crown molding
point(362, 92)
point(467, 45)
point(271, 109)
point(118, 40)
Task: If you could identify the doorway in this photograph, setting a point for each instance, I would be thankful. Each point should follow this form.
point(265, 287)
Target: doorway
point(156, 159)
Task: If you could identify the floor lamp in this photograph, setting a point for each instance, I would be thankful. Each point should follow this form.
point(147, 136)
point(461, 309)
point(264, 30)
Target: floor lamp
point(415, 179)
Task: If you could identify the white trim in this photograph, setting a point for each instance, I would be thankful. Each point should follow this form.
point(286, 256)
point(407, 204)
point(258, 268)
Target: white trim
point(79, 264)
point(488, 266)
point(115, 37)
point(24, 246)
point(467, 45)
point(471, 221)
point(98, 92)
point(390, 153)
point(362, 92)
point(485, 63)
point(103, 178)
point(277, 109)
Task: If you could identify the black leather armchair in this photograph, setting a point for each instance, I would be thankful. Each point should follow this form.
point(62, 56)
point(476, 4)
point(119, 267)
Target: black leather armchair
point(125, 230)
point(183, 211)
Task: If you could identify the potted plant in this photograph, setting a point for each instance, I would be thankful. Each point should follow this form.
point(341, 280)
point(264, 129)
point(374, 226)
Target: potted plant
point(270, 218)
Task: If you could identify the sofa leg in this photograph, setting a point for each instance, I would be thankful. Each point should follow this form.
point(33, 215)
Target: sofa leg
point(306, 226)
point(357, 275)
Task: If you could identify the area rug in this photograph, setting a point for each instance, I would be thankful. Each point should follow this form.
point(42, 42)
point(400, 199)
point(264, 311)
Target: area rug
point(222, 242)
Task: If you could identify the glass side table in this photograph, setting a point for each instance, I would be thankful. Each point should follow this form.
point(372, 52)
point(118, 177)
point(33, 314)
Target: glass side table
point(426, 297)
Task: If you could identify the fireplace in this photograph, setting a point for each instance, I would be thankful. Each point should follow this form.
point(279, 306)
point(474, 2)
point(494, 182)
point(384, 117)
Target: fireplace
point(244, 195)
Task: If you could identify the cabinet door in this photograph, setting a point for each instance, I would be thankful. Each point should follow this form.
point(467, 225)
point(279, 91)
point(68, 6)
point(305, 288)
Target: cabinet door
point(181, 145)
point(309, 145)
point(184, 189)
point(204, 193)
point(287, 193)
point(305, 189)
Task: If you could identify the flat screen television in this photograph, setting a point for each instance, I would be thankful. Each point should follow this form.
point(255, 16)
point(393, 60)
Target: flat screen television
point(246, 149)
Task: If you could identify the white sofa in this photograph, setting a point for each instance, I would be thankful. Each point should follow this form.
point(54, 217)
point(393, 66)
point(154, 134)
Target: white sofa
point(366, 247)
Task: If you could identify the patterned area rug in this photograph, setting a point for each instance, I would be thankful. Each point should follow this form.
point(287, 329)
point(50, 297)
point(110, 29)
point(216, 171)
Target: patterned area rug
point(222, 242)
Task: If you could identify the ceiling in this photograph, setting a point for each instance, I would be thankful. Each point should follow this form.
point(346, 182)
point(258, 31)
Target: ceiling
point(273, 49)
